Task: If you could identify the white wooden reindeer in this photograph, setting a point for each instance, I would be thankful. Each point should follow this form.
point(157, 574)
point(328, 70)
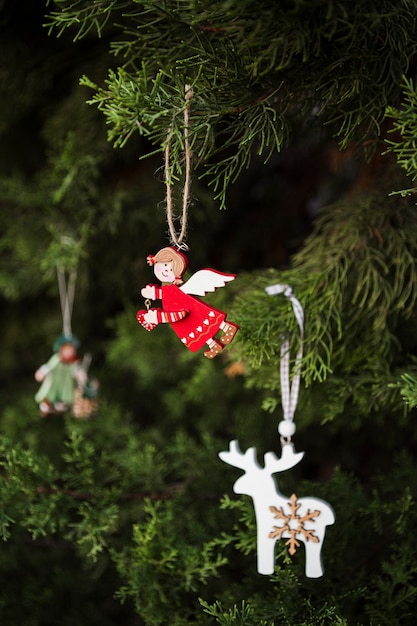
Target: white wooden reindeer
point(277, 517)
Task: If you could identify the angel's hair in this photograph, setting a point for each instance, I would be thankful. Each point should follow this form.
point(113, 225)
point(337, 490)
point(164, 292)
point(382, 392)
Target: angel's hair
point(178, 260)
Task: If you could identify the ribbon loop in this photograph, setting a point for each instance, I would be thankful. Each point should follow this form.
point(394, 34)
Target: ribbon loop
point(66, 296)
point(289, 390)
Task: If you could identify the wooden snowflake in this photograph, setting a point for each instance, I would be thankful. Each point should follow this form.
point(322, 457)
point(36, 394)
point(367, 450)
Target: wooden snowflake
point(293, 524)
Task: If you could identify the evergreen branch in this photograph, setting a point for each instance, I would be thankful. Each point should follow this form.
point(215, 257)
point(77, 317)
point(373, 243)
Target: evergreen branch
point(154, 108)
point(244, 614)
point(84, 15)
point(152, 496)
point(407, 385)
point(404, 127)
point(356, 272)
point(324, 66)
point(258, 129)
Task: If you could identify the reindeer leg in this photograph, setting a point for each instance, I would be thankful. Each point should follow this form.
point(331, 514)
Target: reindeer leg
point(314, 565)
point(265, 547)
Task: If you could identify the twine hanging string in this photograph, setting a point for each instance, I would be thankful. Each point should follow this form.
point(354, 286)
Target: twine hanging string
point(177, 239)
point(289, 390)
point(66, 296)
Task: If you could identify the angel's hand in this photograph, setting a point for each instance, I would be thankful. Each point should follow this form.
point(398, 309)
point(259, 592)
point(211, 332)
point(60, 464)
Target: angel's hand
point(150, 317)
point(148, 292)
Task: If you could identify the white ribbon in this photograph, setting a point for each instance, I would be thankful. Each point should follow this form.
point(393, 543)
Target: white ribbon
point(289, 392)
point(66, 296)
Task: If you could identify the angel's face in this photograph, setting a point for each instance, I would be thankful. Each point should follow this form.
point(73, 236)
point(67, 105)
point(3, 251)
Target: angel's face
point(164, 272)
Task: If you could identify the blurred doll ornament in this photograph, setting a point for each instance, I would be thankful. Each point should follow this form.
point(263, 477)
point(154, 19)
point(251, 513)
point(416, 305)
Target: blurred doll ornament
point(64, 378)
point(59, 377)
point(193, 321)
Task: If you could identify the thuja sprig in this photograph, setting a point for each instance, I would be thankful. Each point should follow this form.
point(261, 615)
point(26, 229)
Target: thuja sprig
point(403, 141)
point(355, 276)
point(252, 81)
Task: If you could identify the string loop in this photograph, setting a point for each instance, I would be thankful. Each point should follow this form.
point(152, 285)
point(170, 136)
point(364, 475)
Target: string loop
point(177, 239)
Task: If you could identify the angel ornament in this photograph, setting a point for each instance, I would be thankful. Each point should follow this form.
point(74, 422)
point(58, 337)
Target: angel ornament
point(193, 321)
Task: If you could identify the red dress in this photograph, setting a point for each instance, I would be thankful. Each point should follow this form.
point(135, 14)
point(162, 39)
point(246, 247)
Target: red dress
point(201, 322)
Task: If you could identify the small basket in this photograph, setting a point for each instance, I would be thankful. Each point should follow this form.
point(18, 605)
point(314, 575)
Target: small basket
point(85, 402)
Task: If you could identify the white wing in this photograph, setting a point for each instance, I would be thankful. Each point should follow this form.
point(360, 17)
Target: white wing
point(204, 281)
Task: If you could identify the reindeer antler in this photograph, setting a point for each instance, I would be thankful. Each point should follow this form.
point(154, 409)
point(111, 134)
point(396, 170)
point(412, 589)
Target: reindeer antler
point(288, 459)
point(247, 460)
point(234, 456)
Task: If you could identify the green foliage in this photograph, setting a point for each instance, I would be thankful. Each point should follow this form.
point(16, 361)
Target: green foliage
point(250, 101)
point(166, 563)
point(129, 518)
point(247, 615)
point(51, 215)
point(159, 541)
point(243, 616)
point(404, 128)
point(408, 387)
point(394, 591)
point(201, 392)
point(356, 278)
